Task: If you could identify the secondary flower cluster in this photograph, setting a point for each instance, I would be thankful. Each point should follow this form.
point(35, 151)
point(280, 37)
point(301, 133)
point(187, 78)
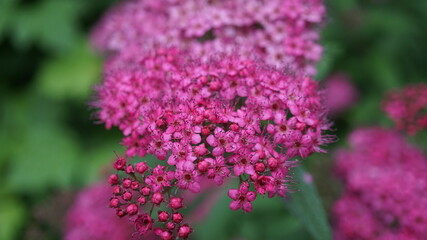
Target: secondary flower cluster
point(278, 31)
point(217, 118)
point(385, 185)
point(90, 218)
point(408, 108)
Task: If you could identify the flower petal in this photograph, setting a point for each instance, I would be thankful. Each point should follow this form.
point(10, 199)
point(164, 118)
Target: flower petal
point(212, 141)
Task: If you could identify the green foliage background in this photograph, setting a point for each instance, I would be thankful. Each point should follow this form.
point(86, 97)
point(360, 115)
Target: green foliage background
point(50, 146)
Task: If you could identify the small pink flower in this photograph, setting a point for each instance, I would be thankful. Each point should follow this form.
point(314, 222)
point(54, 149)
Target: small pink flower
point(188, 180)
point(159, 178)
point(182, 156)
point(217, 170)
point(242, 198)
point(222, 142)
point(242, 162)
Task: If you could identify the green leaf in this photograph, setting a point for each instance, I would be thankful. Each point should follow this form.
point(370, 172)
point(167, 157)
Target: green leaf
point(7, 8)
point(43, 152)
point(12, 215)
point(50, 23)
point(307, 206)
point(46, 160)
point(71, 75)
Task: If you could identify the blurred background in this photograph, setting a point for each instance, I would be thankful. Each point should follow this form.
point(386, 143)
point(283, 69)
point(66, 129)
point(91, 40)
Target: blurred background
point(51, 146)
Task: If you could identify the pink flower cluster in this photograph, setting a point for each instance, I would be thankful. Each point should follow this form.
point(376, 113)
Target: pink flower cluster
point(89, 219)
point(217, 118)
point(278, 31)
point(408, 108)
point(385, 185)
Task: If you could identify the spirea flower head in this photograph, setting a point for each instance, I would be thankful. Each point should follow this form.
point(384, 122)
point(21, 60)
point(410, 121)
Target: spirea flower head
point(91, 219)
point(408, 108)
point(278, 31)
point(217, 118)
point(385, 184)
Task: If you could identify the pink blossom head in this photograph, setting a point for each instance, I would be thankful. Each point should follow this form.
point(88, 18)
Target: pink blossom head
point(340, 93)
point(206, 119)
point(378, 147)
point(385, 183)
point(90, 218)
point(407, 108)
point(277, 31)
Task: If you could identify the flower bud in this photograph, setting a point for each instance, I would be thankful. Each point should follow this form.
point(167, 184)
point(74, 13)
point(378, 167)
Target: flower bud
point(141, 167)
point(119, 164)
point(134, 185)
point(129, 169)
point(132, 209)
point(163, 216)
point(126, 183)
point(120, 212)
point(272, 163)
point(206, 131)
point(113, 179)
point(157, 198)
point(259, 167)
point(170, 226)
point(127, 196)
point(117, 190)
point(145, 191)
point(176, 203)
point(114, 202)
point(142, 200)
point(234, 127)
point(177, 217)
point(184, 231)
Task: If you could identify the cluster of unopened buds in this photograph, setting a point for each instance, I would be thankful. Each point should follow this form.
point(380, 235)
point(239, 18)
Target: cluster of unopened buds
point(221, 118)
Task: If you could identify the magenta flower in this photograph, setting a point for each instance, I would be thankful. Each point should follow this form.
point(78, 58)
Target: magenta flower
point(407, 108)
point(188, 180)
point(188, 116)
point(385, 183)
point(159, 179)
point(182, 156)
point(280, 32)
point(242, 162)
point(222, 142)
point(217, 170)
point(242, 198)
